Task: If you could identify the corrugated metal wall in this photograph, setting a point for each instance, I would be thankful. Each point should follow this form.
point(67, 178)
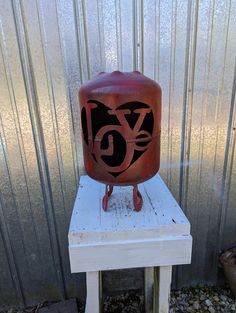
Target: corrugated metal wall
point(47, 49)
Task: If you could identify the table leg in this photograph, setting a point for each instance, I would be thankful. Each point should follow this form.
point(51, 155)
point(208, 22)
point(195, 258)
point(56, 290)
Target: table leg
point(149, 288)
point(94, 292)
point(162, 282)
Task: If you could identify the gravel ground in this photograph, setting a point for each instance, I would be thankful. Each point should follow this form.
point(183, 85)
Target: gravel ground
point(191, 300)
point(124, 303)
point(203, 300)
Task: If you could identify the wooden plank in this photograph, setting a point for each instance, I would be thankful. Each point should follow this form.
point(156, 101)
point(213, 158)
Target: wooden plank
point(89, 237)
point(130, 253)
point(88, 204)
point(94, 292)
point(162, 289)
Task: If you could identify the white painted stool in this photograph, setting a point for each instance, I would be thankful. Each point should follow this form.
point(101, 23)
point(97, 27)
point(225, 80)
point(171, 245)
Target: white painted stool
point(156, 238)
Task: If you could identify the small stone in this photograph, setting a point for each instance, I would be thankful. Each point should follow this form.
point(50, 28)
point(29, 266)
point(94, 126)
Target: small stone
point(223, 298)
point(196, 305)
point(208, 302)
point(211, 309)
point(233, 307)
point(216, 298)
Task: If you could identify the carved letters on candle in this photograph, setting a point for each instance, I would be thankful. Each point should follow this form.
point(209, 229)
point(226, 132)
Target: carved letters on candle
point(117, 138)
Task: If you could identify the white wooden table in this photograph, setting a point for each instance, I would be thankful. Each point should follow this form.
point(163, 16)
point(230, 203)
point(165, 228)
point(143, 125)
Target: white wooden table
point(155, 238)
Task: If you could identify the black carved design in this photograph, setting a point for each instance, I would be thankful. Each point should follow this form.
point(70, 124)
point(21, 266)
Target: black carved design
point(117, 137)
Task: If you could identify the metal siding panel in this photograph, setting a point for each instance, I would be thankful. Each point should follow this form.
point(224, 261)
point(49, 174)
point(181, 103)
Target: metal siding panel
point(21, 186)
point(227, 228)
point(126, 29)
point(164, 70)
point(91, 37)
point(208, 142)
point(54, 116)
point(173, 29)
point(228, 225)
point(8, 268)
point(27, 193)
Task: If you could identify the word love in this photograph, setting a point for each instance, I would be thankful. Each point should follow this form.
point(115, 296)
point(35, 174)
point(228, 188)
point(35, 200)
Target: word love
point(117, 137)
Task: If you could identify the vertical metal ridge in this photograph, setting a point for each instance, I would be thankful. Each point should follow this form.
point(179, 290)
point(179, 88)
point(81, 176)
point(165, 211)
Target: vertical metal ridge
point(75, 155)
point(231, 161)
point(101, 31)
point(203, 117)
point(78, 45)
point(171, 90)
point(86, 38)
point(138, 42)
point(217, 121)
point(190, 62)
point(83, 77)
point(190, 101)
point(82, 43)
point(206, 81)
point(230, 169)
point(211, 172)
point(117, 37)
point(4, 52)
point(204, 95)
point(10, 255)
point(119, 34)
point(16, 277)
point(32, 99)
point(141, 36)
point(52, 107)
point(184, 113)
point(68, 96)
point(220, 90)
point(157, 41)
point(228, 155)
point(10, 245)
point(135, 40)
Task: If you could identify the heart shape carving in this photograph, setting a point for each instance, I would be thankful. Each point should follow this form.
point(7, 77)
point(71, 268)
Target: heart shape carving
point(116, 138)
